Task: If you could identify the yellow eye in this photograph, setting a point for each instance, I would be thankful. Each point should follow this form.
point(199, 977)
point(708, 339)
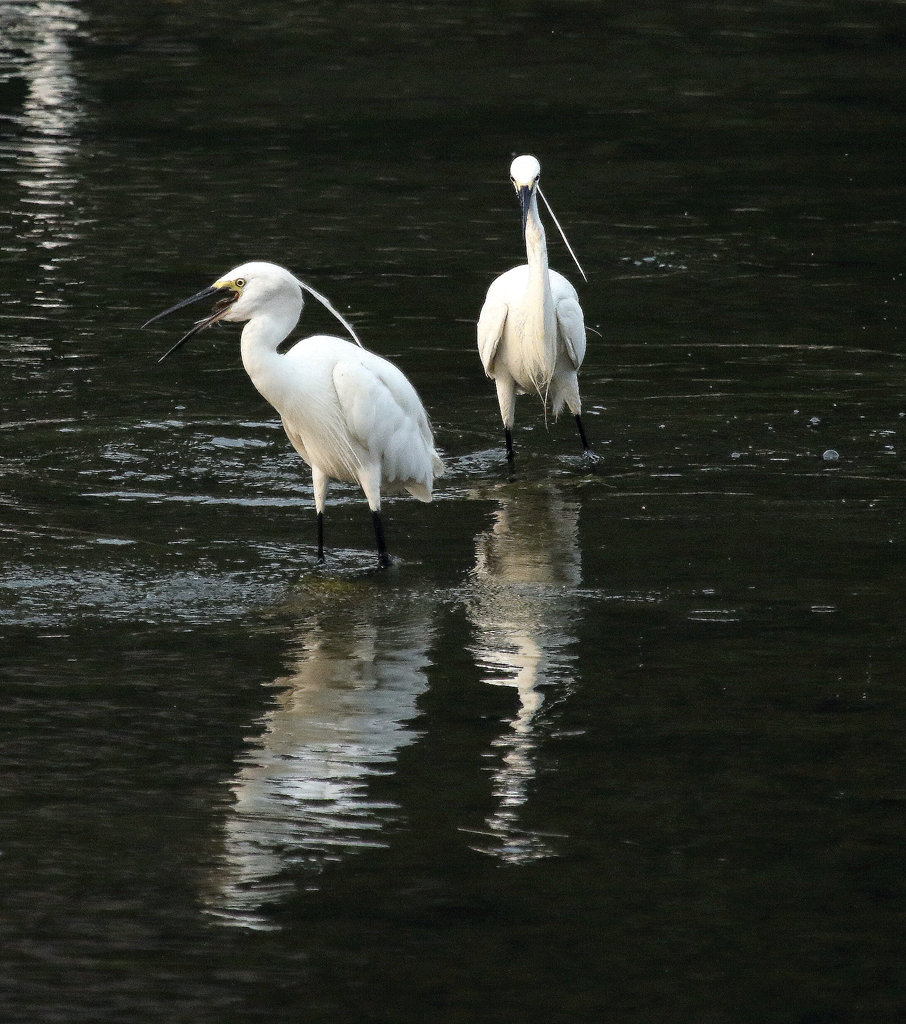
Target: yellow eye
point(239, 282)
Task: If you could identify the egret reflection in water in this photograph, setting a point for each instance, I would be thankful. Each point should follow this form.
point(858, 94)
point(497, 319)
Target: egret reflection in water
point(301, 792)
point(527, 569)
point(36, 51)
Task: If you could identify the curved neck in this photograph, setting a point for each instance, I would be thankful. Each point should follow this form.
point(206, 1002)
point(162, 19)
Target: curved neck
point(260, 338)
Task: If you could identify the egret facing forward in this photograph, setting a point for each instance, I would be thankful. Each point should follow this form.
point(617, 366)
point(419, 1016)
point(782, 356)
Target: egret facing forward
point(350, 414)
point(531, 331)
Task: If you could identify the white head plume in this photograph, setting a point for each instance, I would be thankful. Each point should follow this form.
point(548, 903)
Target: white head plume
point(562, 233)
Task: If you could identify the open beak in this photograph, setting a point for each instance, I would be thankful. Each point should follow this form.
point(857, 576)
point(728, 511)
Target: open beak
point(525, 201)
point(227, 297)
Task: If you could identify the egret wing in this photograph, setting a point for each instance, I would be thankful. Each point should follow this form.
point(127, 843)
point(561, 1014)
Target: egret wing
point(386, 421)
point(491, 322)
point(571, 328)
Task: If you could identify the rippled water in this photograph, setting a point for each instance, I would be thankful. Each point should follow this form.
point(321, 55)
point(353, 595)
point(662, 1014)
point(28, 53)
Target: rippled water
point(616, 745)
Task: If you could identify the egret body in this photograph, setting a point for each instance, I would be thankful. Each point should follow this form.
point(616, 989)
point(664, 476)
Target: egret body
point(350, 414)
point(531, 331)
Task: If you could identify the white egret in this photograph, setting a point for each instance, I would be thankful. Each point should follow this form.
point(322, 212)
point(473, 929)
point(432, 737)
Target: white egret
point(350, 414)
point(531, 331)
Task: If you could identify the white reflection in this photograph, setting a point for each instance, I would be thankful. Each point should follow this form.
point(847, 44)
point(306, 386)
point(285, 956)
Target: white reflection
point(527, 569)
point(36, 45)
point(302, 792)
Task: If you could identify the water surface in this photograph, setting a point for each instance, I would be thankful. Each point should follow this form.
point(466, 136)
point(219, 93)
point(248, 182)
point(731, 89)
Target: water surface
point(617, 745)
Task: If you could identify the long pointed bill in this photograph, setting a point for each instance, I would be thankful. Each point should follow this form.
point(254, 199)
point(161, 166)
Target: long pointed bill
point(200, 326)
point(525, 201)
point(562, 235)
point(228, 297)
point(325, 302)
point(205, 293)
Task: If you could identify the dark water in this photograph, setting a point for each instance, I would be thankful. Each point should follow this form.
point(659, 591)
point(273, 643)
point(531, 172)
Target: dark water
point(625, 746)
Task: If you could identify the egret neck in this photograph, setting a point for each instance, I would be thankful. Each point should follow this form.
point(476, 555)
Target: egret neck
point(540, 319)
point(260, 338)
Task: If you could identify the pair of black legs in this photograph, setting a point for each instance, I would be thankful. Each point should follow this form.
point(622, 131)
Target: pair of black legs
point(508, 439)
point(382, 556)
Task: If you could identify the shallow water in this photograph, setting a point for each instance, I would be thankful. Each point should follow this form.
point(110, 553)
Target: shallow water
point(611, 743)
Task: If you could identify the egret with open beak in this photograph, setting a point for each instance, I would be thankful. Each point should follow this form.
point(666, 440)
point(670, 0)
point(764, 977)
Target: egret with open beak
point(227, 298)
point(350, 414)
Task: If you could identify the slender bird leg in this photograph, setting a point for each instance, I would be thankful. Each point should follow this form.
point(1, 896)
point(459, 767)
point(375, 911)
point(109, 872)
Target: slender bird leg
point(321, 538)
point(506, 398)
point(382, 556)
point(319, 485)
point(370, 480)
point(590, 456)
point(582, 436)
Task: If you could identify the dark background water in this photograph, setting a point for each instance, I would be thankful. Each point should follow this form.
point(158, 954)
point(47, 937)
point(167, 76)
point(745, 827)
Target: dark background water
point(619, 746)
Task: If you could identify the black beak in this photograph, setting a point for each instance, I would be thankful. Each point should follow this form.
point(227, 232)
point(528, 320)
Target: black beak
point(525, 200)
point(229, 297)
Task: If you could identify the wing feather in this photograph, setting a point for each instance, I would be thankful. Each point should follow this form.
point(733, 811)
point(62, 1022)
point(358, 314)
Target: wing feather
point(387, 421)
point(490, 330)
point(571, 328)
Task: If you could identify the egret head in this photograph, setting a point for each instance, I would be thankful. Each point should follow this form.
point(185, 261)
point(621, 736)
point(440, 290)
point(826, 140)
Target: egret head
point(246, 291)
point(240, 294)
point(250, 288)
point(524, 174)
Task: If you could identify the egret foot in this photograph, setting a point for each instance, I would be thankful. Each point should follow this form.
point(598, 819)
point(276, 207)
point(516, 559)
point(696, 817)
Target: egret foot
point(592, 461)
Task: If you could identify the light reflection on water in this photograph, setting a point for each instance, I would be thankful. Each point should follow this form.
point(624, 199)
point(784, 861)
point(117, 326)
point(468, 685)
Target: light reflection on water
point(47, 141)
point(730, 175)
point(300, 795)
point(525, 580)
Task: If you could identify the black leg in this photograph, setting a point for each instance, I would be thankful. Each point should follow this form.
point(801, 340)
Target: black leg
point(592, 460)
point(508, 439)
point(582, 436)
point(382, 556)
point(320, 536)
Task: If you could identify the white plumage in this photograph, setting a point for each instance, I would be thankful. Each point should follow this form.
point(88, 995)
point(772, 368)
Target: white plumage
point(349, 413)
point(531, 330)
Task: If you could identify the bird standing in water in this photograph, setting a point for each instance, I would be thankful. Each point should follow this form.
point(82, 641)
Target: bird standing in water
point(350, 414)
point(531, 331)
